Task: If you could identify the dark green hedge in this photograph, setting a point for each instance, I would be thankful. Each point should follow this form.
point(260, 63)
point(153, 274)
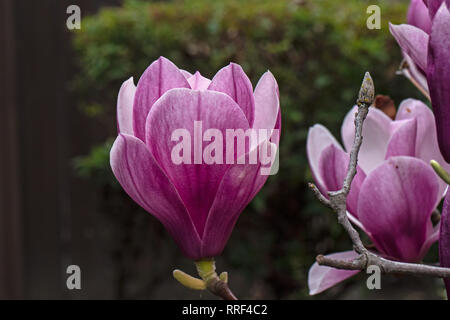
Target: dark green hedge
point(318, 52)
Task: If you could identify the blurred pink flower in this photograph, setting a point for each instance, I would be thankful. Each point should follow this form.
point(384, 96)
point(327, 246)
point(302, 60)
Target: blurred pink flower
point(197, 203)
point(394, 191)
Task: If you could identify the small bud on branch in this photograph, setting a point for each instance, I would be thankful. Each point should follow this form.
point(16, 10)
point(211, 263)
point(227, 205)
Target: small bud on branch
point(367, 91)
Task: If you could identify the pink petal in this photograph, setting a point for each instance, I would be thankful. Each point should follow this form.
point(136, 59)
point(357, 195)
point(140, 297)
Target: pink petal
point(197, 182)
point(233, 81)
point(237, 188)
point(161, 76)
point(267, 104)
point(413, 41)
point(438, 75)
point(318, 139)
point(199, 82)
point(418, 15)
point(444, 240)
point(403, 140)
point(333, 166)
point(426, 139)
point(395, 204)
point(145, 182)
point(125, 107)
point(376, 133)
point(185, 73)
point(321, 278)
point(433, 7)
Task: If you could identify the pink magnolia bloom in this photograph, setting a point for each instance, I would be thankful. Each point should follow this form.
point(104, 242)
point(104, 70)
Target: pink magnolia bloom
point(394, 191)
point(197, 203)
point(425, 42)
point(444, 240)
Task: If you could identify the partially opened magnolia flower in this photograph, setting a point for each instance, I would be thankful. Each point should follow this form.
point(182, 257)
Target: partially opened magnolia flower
point(425, 42)
point(197, 202)
point(394, 191)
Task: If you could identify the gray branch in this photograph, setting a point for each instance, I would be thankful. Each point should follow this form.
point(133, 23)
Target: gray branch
point(338, 202)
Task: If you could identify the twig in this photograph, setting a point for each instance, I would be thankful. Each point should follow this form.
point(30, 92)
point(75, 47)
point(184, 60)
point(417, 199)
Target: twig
point(319, 195)
point(220, 288)
point(338, 199)
point(338, 202)
point(386, 266)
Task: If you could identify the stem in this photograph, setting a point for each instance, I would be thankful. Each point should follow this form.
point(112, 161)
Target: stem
point(404, 70)
point(207, 271)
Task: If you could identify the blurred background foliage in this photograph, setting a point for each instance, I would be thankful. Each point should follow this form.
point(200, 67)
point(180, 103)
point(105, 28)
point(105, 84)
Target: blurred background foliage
point(318, 51)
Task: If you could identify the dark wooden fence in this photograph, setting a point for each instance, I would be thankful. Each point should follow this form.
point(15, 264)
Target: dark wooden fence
point(44, 209)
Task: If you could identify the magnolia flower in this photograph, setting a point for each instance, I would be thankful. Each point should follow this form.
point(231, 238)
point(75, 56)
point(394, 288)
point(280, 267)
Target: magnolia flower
point(444, 240)
point(425, 42)
point(198, 203)
point(394, 191)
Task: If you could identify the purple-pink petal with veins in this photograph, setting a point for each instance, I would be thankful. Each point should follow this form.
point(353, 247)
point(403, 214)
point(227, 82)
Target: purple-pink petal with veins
point(239, 185)
point(433, 7)
point(438, 75)
point(233, 81)
point(161, 76)
point(317, 140)
point(242, 182)
point(413, 41)
point(144, 181)
point(427, 147)
point(403, 140)
point(395, 205)
point(178, 109)
point(333, 165)
point(418, 15)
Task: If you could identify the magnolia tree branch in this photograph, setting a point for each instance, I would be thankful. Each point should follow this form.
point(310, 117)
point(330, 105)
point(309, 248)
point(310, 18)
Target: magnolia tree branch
point(386, 266)
point(338, 202)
